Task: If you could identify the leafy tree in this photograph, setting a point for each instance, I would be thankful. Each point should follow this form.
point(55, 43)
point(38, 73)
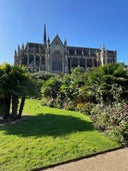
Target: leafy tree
point(101, 80)
point(15, 83)
point(51, 88)
point(5, 94)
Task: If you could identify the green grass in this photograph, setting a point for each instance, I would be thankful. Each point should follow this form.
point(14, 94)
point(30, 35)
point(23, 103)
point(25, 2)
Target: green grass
point(48, 136)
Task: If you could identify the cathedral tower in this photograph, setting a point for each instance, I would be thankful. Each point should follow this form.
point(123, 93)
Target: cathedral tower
point(45, 35)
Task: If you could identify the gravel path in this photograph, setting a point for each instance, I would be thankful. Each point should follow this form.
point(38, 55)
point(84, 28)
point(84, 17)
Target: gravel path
point(111, 161)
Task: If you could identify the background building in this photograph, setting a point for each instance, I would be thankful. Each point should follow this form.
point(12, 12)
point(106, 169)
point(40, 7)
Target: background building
point(57, 56)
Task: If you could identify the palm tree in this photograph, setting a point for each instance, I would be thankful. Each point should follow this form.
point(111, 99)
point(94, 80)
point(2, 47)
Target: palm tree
point(25, 87)
point(100, 82)
point(30, 88)
point(15, 83)
point(5, 95)
point(51, 88)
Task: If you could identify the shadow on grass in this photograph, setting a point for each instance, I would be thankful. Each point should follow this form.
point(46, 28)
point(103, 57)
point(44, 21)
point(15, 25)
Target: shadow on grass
point(48, 125)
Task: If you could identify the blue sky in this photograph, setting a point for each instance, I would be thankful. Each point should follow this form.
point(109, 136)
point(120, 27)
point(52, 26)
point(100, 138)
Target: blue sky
point(86, 23)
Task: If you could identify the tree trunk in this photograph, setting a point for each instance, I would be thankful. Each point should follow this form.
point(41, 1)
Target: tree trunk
point(15, 102)
point(21, 107)
point(6, 111)
point(1, 106)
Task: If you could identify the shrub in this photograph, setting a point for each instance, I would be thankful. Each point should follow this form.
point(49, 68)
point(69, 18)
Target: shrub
point(113, 119)
point(44, 101)
point(69, 105)
point(84, 107)
point(51, 103)
point(100, 116)
point(119, 113)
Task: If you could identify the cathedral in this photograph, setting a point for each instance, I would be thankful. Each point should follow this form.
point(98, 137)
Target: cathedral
point(57, 56)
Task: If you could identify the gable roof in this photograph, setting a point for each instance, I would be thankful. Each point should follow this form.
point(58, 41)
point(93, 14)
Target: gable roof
point(57, 40)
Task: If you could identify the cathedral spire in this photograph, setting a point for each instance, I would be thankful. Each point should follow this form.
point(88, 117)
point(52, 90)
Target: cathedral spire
point(45, 35)
point(65, 42)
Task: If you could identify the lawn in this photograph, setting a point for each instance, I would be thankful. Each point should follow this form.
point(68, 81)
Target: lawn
point(48, 136)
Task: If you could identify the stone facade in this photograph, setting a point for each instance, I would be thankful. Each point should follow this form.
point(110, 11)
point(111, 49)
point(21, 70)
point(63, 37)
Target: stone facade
point(58, 57)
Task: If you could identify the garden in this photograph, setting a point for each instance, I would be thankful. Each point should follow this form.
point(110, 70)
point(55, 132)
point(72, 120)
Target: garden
point(65, 116)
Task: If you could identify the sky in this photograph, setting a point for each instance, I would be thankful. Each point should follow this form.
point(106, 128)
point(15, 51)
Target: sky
point(84, 23)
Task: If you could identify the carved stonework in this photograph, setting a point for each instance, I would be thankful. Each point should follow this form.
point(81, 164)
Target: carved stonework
point(58, 57)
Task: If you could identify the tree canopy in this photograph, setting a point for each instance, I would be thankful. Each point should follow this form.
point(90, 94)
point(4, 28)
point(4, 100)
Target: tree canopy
point(15, 83)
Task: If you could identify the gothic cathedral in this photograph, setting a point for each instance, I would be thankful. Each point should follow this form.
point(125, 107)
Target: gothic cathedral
point(57, 56)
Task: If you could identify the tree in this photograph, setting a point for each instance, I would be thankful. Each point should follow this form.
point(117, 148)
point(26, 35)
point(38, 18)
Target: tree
point(15, 83)
point(51, 88)
point(5, 95)
point(101, 80)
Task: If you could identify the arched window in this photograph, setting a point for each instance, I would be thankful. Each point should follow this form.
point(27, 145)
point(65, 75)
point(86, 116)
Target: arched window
point(31, 60)
point(57, 62)
point(74, 62)
point(37, 60)
point(89, 62)
point(43, 60)
point(82, 62)
point(24, 60)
